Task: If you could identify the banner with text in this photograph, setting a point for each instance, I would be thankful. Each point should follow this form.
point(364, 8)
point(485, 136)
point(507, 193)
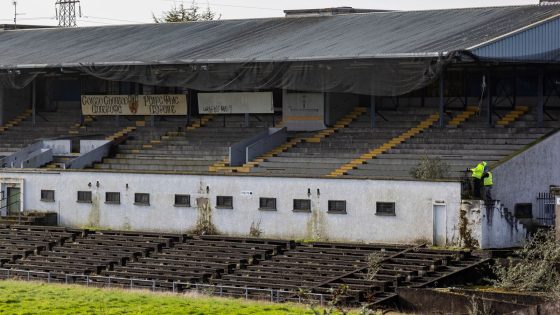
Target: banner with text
point(130, 105)
point(236, 103)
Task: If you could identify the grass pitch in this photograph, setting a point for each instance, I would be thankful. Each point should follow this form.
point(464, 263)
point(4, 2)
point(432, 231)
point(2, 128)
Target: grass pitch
point(39, 298)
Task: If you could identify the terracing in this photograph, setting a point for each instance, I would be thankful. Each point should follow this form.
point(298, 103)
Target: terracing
point(176, 148)
point(232, 266)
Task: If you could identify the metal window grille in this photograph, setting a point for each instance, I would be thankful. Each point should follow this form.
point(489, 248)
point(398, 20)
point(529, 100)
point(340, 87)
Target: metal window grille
point(267, 203)
point(385, 208)
point(113, 197)
point(224, 202)
point(183, 200)
point(47, 195)
point(302, 205)
point(84, 196)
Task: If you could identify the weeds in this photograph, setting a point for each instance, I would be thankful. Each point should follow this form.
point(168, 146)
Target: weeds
point(537, 269)
point(255, 229)
point(430, 168)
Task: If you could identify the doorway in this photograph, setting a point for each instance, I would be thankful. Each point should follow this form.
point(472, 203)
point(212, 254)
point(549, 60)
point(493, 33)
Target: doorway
point(13, 200)
point(440, 224)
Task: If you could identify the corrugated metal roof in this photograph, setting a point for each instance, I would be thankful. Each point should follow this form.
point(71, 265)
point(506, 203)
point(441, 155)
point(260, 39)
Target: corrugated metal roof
point(370, 35)
point(538, 43)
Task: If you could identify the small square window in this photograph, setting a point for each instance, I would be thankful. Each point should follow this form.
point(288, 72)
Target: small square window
point(182, 200)
point(47, 195)
point(267, 204)
point(113, 198)
point(224, 202)
point(337, 206)
point(142, 199)
point(84, 196)
point(385, 208)
point(302, 205)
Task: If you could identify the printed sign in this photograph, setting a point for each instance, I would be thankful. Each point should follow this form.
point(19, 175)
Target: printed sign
point(304, 111)
point(558, 201)
point(236, 103)
point(130, 105)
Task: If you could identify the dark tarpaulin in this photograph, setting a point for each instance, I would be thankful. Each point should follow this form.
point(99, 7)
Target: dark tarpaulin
point(16, 79)
point(382, 77)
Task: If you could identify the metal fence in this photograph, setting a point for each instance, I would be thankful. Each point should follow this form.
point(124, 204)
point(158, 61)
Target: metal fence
point(156, 286)
point(545, 213)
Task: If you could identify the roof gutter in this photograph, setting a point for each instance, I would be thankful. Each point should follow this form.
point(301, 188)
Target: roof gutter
point(224, 61)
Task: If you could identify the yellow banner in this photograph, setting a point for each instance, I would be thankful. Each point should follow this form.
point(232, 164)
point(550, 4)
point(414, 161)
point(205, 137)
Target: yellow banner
point(130, 105)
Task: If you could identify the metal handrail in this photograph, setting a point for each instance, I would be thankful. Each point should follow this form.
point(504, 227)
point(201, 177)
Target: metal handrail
point(275, 295)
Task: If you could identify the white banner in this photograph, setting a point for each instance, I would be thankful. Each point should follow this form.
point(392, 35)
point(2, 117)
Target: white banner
point(236, 103)
point(303, 111)
point(130, 105)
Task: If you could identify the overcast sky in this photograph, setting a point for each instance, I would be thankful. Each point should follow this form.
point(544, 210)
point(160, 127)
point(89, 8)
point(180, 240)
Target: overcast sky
point(106, 12)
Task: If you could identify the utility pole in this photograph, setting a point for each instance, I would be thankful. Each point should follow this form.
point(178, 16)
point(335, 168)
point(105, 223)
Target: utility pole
point(66, 12)
point(15, 13)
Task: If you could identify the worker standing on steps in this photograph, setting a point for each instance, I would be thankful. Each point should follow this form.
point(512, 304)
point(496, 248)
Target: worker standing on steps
point(477, 174)
point(488, 183)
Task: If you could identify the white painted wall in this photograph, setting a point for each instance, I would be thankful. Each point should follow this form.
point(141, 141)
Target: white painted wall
point(492, 227)
point(413, 220)
point(520, 179)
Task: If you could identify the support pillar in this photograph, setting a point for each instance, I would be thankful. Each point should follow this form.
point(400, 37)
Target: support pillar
point(540, 99)
point(489, 109)
point(34, 101)
point(373, 110)
point(246, 120)
point(442, 100)
point(190, 103)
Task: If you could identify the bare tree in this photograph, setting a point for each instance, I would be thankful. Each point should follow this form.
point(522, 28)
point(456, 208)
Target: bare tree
point(181, 13)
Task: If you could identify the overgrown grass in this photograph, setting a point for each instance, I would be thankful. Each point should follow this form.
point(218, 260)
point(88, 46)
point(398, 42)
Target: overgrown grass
point(38, 298)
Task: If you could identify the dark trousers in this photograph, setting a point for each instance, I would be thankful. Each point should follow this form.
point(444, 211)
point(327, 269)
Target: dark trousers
point(488, 194)
point(477, 187)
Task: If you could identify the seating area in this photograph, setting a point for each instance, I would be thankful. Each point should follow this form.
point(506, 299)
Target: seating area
point(321, 158)
point(88, 253)
point(459, 147)
point(323, 267)
point(162, 261)
point(192, 149)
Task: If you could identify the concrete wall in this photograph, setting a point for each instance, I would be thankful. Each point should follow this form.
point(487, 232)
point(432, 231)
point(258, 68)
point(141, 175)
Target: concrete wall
point(13, 102)
point(489, 227)
point(412, 223)
point(520, 179)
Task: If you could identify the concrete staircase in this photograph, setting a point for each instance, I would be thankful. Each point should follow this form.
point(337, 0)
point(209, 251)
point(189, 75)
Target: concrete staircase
point(512, 116)
point(17, 120)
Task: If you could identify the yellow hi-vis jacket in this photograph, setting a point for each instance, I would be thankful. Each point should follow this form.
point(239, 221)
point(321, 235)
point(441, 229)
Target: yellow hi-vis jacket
point(478, 171)
point(488, 180)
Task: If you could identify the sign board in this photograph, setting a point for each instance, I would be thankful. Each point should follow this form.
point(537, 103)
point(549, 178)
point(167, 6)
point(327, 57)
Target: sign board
point(131, 105)
point(558, 201)
point(304, 111)
point(236, 103)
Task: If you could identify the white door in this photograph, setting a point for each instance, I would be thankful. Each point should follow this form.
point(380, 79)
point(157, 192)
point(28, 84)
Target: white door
point(440, 225)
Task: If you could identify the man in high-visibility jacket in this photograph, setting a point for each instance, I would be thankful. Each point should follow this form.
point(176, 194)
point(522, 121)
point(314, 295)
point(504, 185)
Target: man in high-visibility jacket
point(477, 173)
point(488, 183)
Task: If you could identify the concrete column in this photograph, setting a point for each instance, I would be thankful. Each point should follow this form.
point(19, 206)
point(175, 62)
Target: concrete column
point(34, 100)
point(442, 100)
point(540, 103)
point(372, 104)
point(489, 109)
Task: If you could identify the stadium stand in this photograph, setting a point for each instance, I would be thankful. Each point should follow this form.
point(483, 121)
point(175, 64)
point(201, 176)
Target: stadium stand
point(193, 149)
point(163, 261)
point(455, 146)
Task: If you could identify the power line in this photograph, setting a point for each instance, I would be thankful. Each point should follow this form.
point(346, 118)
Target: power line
point(226, 5)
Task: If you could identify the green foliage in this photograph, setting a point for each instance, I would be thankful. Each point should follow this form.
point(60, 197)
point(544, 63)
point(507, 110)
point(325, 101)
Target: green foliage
point(430, 168)
point(538, 269)
point(183, 14)
point(20, 298)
